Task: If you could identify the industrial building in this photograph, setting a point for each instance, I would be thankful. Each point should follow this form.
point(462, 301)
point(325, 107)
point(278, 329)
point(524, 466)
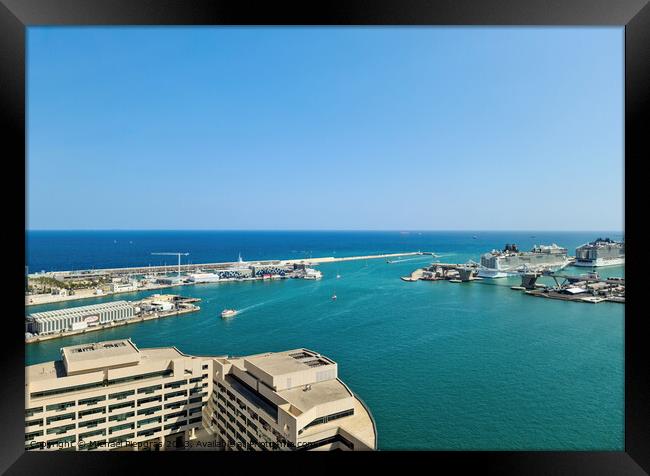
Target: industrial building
point(51, 322)
point(112, 395)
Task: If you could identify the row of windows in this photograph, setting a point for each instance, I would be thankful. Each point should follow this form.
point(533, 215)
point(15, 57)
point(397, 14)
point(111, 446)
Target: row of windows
point(326, 418)
point(91, 401)
point(77, 388)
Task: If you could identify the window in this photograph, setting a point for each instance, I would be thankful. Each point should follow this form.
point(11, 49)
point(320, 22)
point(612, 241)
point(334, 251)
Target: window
point(125, 426)
point(149, 400)
point(175, 394)
point(119, 406)
point(121, 416)
point(33, 411)
point(121, 395)
point(150, 411)
point(90, 434)
point(59, 391)
point(326, 418)
point(151, 389)
point(100, 410)
point(176, 384)
point(149, 421)
point(67, 416)
point(60, 429)
point(175, 415)
point(33, 434)
point(91, 423)
point(60, 406)
point(92, 401)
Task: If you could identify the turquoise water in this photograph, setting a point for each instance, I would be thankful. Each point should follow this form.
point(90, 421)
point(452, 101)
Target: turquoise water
point(471, 366)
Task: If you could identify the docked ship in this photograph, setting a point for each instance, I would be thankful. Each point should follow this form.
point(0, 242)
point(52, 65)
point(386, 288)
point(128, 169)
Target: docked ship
point(600, 252)
point(499, 264)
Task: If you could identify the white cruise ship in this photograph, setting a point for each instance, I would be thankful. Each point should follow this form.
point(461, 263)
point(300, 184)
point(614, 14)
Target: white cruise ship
point(499, 264)
point(600, 252)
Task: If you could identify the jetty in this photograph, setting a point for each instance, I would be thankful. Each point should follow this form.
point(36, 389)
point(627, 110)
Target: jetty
point(586, 288)
point(61, 278)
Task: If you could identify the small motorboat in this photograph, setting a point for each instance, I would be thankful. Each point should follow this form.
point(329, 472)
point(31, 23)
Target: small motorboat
point(228, 313)
point(334, 297)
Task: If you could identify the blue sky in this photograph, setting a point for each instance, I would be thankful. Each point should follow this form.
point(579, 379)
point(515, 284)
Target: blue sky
point(325, 128)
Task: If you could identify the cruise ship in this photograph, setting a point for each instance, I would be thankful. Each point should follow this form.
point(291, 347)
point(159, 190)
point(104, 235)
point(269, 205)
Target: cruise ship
point(600, 252)
point(499, 264)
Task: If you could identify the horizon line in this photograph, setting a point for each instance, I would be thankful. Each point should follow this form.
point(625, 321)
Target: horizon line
point(398, 230)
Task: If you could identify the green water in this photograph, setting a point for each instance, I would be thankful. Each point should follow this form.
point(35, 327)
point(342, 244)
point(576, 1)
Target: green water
point(440, 365)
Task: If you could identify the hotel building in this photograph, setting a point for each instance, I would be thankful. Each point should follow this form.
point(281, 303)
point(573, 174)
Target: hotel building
point(99, 396)
point(289, 400)
point(112, 395)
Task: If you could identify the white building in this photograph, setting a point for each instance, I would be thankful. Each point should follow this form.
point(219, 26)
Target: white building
point(51, 322)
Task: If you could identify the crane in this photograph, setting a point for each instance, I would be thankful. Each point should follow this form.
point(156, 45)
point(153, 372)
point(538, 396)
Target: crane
point(179, 259)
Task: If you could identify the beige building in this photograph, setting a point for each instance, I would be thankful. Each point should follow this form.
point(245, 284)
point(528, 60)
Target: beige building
point(99, 396)
point(289, 400)
point(112, 395)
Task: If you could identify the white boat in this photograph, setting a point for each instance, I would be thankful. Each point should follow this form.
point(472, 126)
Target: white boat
point(334, 297)
point(228, 313)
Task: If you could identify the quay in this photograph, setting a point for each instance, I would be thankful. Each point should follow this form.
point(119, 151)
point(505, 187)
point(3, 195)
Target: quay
point(185, 268)
point(109, 281)
point(50, 325)
point(585, 288)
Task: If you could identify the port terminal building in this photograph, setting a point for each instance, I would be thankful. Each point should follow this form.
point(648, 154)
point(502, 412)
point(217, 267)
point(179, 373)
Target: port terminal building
point(114, 396)
point(52, 322)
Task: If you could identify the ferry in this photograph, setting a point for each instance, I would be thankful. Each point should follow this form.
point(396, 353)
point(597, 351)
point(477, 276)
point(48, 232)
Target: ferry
point(228, 313)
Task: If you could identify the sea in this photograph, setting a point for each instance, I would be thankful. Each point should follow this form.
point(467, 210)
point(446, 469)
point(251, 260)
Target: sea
point(442, 366)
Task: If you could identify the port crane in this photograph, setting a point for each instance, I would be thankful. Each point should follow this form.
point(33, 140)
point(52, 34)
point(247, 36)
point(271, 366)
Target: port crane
point(174, 254)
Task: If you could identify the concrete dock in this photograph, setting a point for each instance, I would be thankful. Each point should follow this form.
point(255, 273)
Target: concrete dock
point(86, 293)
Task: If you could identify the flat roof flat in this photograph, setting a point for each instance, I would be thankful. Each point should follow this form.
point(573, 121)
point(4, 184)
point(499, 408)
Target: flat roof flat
point(283, 363)
point(318, 394)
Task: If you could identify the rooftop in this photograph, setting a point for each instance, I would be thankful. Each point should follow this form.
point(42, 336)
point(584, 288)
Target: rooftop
point(317, 394)
point(87, 357)
point(278, 364)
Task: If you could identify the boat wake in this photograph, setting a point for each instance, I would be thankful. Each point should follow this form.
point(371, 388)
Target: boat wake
point(253, 306)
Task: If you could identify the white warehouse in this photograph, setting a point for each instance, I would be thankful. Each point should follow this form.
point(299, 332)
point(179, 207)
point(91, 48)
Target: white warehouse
point(51, 322)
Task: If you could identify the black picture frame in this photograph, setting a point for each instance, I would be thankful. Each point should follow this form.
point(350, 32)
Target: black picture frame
point(634, 15)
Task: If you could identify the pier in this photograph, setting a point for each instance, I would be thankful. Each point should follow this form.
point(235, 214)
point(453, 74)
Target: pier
point(185, 306)
point(60, 279)
point(586, 288)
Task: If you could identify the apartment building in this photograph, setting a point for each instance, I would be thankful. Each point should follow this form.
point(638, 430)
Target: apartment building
point(289, 400)
point(99, 396)
point(114, 396)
